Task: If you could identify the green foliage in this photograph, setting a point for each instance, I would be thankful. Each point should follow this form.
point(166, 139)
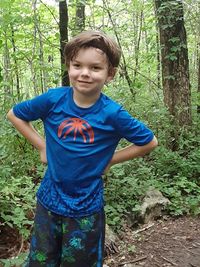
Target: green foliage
point(175, 174)
point(20, 171)
point(179, 179)
point(28, 46)
point(125, 186)
point(17, 261)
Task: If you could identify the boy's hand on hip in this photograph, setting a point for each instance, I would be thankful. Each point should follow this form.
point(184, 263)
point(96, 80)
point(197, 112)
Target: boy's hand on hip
point(107, 168)
point(43, 156)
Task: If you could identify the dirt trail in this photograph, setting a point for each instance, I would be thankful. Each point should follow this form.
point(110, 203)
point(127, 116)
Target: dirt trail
point(165, 243)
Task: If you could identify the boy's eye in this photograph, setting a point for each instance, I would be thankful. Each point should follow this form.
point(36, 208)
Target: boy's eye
point(76, 65)
point(96, 68)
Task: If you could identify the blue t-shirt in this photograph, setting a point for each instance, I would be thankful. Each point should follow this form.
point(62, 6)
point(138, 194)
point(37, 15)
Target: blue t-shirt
point(80, 142)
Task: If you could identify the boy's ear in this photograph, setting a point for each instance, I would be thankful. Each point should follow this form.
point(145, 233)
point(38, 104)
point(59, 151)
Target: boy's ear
point(111, 74)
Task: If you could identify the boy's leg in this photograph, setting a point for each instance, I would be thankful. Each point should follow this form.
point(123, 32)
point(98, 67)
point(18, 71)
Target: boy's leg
point(46, 241)
point(83, 241)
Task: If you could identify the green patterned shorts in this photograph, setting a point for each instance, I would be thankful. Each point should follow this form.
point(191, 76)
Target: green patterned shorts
point(64, 241)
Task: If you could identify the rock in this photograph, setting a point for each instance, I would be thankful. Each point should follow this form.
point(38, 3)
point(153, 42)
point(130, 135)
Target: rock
point(152, 206)
point(111, 241)
point(129, 265)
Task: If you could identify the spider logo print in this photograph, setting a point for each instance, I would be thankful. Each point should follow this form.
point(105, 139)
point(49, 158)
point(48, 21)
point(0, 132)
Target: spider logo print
point(78, 126)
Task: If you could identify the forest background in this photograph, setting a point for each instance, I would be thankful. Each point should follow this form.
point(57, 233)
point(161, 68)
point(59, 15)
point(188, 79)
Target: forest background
point(158, 82)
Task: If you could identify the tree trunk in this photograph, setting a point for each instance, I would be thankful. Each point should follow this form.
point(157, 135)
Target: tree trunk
point(42, 71)
point(63, 27)
point(31, 61)
point(41, 57)
point(16, 69)
point(198, 63)
point(138, 24)
point(175, 63)
point(158, 54)
point(124, 71)
point(80, 17)
point(7, 76)
point(198, 88)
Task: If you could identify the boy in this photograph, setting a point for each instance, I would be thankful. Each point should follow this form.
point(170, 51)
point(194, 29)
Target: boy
point(82, 129)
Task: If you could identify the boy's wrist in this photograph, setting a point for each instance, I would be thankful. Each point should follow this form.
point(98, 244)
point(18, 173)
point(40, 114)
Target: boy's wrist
point(41, 146)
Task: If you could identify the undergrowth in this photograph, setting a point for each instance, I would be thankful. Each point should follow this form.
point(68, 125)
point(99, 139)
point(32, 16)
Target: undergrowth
point(175, 173)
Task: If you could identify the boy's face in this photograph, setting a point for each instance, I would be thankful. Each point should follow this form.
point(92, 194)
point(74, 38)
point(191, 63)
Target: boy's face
point(88, 72)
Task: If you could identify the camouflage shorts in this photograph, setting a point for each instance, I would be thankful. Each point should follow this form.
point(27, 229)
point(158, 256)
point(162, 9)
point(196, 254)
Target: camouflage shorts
point(66, 242)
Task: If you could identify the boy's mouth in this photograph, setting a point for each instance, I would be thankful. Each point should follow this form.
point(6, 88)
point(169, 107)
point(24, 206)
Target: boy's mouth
point(84, 82)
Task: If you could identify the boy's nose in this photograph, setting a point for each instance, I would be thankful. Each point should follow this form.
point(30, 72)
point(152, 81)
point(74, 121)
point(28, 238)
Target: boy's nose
point(85, 72)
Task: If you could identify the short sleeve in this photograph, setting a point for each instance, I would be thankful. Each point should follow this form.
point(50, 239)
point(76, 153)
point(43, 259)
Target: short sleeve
point(33, 109)
point(132, 129)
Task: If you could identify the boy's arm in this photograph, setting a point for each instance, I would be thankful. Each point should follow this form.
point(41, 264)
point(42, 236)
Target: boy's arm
point(131, 152)
point(27, 130)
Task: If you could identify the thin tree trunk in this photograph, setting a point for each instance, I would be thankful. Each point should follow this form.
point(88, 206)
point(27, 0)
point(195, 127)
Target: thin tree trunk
point(147, 51)
point(15, 62)
point(31, 61)
point(41, 54)
point(198, 61)
point(6, 73)
point(42, 72)
point(198, 73)
point(80, 17)
point(42, 64)
point(158, 61)
point(158, 53)
point(63, 26)
point(124, 66)
point(138, 30)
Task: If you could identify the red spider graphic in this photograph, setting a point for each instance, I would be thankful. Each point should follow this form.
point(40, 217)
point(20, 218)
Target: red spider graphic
point(76, 125)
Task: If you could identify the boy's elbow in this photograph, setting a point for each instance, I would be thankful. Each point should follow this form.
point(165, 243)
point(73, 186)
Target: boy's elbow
point(154, 143)
point(10, 115)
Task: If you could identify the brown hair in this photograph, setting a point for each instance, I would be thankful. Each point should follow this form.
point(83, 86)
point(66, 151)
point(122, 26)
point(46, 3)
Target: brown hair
point(95, 39)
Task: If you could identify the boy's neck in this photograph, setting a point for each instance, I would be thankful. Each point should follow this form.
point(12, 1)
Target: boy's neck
point(84, 101)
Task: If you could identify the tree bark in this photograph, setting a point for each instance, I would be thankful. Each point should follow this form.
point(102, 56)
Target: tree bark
point(138, 30)
point(175, 63)
point(198, 63)
point(63, 27)
point(124, 71)
point(31, 61)
point(158, 53)
point(42, 71)
point(198, 87)
point(15, 61)
point(80, 17)
point(7, 75)
point(41, 58)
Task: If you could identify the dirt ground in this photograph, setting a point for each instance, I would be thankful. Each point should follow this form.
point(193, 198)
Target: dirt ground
point(165, 243)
